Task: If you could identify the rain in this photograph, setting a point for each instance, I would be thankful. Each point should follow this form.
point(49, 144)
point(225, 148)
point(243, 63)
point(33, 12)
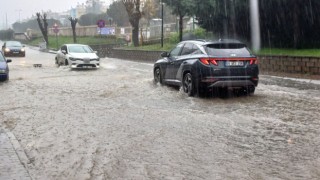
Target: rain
point(117, 122)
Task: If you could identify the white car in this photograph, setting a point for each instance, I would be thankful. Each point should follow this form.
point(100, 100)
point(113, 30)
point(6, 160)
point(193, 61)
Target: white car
point(77, 56)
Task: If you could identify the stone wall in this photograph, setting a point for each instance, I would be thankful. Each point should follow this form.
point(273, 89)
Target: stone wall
point(290, 64)
point(281, 64)
point(105, 50)
point(150, 56)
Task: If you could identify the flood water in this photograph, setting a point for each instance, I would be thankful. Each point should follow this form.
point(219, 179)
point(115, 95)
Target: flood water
point(114, 123)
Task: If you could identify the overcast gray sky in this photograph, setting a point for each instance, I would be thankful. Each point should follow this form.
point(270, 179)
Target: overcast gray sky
point(27, 8)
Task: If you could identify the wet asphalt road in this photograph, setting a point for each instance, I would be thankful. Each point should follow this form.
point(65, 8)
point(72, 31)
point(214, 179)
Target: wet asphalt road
point(114, 123)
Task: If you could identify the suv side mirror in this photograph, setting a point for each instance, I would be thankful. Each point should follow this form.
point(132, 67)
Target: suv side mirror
point(165, 54)
point(9, 60)
point(64, 51)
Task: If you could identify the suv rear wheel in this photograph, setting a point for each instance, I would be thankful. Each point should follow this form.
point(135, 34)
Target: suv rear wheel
point(187, 84)
point(249, 90)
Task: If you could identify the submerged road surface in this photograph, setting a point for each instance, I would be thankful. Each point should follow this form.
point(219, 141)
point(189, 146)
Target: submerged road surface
point(114, 123)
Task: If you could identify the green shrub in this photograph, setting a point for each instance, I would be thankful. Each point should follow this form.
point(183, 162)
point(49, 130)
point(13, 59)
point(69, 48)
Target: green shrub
point(173, 38)
point(200, 33)
point(6, 34)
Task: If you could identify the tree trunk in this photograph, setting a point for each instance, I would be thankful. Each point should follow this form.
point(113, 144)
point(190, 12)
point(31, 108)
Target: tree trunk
point(135, 32)
point(43, 27)
point(133, 10)
point(74, 22)
point(180, 27)
point(233, 30)
point(296, 25)
point(45, 22)
point(74, 35)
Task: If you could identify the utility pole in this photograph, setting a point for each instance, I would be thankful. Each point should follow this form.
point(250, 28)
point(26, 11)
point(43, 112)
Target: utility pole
point(6, 21)
point(255, 25)
point(162, 24)
point(19, 10)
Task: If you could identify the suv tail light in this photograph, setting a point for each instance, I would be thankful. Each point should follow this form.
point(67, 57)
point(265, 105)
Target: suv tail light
point(254, 61)
point(207, 61)
point(214, 61)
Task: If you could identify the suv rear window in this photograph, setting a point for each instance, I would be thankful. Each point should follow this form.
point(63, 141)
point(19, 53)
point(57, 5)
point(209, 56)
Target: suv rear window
point(227, 50)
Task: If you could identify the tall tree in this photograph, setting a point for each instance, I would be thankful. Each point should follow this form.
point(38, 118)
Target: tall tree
point(134, 13)
point(150, 10)
point(225, 18)
point(181, 8)
point(91, 19)
point(43, 25)
point(6, 34)
point(74, 22)
point(32, 24)
point(94, 6)
point(115, 11)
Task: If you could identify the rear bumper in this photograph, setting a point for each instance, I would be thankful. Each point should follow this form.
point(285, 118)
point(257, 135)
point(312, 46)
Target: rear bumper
point(212, 76)
point(212, 82)
point(242, 83)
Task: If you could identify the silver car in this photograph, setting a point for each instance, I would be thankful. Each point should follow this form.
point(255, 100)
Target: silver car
point(77, 56)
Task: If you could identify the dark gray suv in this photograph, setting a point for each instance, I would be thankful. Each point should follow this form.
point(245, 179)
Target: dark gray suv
point(201, 65)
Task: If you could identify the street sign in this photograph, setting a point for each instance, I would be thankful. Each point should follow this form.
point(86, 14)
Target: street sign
point(56, 30)
point(101, 23)
point(128, 38)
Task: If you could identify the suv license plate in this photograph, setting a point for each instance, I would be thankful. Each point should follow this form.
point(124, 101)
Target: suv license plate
point(234, 63)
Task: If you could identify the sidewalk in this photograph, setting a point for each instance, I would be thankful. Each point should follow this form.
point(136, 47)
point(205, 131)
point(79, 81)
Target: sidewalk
point(12, 158)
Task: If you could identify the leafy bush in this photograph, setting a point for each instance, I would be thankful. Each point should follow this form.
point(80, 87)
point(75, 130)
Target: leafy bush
point(200, 33)
point(6, 34)
point(173, 38)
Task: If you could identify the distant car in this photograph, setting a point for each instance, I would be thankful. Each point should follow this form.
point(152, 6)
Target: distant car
point(4, 69)
point(77, 56)
point(13, 48)
point(198, 66)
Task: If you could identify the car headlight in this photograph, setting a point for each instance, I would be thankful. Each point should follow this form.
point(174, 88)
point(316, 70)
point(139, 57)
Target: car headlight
point(2, 71)
point(22, 50)
point(72, 59)
point(7, 50)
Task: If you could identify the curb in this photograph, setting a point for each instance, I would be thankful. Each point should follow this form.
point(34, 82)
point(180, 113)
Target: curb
point(24, 160)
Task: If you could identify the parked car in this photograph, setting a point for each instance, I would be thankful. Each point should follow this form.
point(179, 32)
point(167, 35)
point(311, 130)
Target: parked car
point(77, 56)
point(4, 69)
point(198, 66)
point(13, 48)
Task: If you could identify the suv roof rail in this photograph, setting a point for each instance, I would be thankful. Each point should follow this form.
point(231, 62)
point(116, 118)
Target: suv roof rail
point(230, 40)
point(202, 40)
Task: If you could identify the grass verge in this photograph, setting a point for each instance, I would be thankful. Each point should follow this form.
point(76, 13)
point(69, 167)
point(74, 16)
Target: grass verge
point(167, 46)
point(58, 42)
point(289, 52)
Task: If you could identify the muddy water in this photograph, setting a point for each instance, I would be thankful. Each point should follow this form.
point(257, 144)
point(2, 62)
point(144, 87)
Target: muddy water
point(114, 123)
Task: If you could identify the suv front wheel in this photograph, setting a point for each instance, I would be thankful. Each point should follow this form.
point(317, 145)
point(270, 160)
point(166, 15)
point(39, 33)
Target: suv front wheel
point(157, 76)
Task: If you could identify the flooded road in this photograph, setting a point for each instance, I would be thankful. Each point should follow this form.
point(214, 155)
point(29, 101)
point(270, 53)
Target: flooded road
point(114, 123)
